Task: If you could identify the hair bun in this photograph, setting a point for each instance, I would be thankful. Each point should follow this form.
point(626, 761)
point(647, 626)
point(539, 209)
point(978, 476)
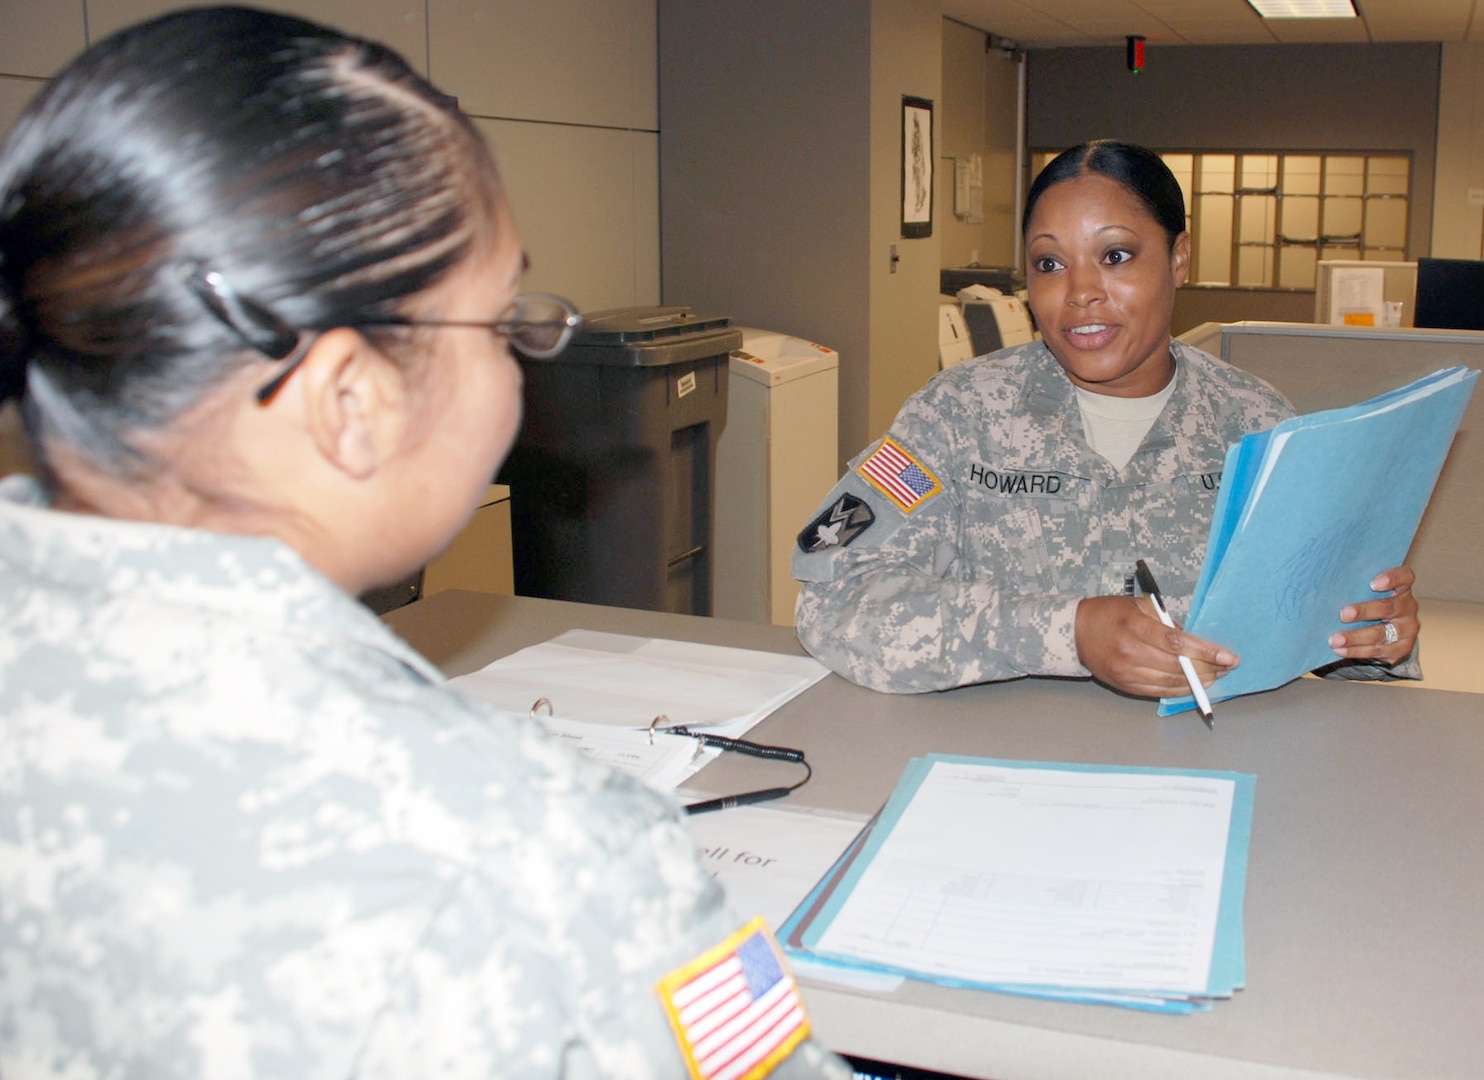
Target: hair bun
point(15, 348)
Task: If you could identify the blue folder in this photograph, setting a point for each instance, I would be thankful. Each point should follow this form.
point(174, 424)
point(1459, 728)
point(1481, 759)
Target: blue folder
point(1307, 515)
point(800, 933)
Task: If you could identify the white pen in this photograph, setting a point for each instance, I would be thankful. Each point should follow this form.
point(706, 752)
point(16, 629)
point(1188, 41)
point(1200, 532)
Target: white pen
point(1151, 590)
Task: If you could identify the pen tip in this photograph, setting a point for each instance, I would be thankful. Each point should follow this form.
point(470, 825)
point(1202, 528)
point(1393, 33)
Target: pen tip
point(1210, 721)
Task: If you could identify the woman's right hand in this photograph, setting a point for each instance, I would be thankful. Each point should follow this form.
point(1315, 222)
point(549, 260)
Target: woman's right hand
point(1122, 642)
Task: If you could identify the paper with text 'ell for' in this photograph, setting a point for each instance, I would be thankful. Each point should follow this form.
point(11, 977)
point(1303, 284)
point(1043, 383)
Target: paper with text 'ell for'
point(1307, 515)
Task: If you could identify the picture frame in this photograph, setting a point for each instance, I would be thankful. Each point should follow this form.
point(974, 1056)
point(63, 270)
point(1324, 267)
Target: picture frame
point(917, 167)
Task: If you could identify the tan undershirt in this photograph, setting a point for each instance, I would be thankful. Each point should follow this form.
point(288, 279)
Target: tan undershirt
point(1115, 426)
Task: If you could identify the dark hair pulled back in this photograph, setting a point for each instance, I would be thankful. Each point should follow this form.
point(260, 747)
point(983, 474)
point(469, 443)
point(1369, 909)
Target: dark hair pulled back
point(315, 173)
point(1137, 168)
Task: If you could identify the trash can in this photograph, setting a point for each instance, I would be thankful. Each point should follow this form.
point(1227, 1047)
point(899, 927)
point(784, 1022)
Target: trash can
point(613, 473)
point(777, 458)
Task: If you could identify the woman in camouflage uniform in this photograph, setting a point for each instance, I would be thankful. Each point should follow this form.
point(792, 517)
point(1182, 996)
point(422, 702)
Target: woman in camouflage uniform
point(993, 533)
point(244, 829)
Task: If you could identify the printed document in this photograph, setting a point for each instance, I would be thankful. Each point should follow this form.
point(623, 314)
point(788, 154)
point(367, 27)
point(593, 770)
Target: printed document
point(1087, 881)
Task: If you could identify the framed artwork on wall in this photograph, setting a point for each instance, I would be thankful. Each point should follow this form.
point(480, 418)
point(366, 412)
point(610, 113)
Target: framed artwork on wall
point(917, 167)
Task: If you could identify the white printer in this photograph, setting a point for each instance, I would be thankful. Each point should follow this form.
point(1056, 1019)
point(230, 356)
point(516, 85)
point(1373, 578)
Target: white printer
point(995, 321)
point(776, 459)
point(954, 344)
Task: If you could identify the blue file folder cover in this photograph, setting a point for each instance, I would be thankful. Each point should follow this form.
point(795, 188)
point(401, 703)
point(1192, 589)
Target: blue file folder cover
point(802, 931)
point(1308, 514)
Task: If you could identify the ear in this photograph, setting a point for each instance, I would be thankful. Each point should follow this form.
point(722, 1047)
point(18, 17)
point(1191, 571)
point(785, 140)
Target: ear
point(354, 402)
point(1180, 259)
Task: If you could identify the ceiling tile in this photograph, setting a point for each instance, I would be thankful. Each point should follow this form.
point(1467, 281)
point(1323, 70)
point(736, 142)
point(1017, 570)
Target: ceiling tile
point(1061, 23)
point(1318, 31)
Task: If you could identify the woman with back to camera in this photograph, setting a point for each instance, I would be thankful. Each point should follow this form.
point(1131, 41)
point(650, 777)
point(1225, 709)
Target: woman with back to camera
point(258, 287)
point(993, 533)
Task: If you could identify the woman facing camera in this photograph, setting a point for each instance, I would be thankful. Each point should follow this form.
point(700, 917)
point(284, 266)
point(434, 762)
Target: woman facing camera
point(259, 284)
point(994, 532)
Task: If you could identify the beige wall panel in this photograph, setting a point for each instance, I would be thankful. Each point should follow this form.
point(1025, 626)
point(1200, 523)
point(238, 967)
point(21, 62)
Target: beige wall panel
point(978, 105)
point(574, 193)
point(398, 23)
point(1458, 224)
point(961, 107)
point(767, 189)
point(644, 152)
point(1381, 98)
point(570, 61)
point(906, 58)
point(962, 124)
point(14, 93)
point(38, 36)
point(1195, 305)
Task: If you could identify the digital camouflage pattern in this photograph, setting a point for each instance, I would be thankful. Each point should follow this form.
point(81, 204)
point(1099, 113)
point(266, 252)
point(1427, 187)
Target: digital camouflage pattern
point(981, 581)
point(245, 831)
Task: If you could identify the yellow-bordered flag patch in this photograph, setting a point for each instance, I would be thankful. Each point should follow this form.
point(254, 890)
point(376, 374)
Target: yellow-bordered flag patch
point(735, 1008)
point(899, 476)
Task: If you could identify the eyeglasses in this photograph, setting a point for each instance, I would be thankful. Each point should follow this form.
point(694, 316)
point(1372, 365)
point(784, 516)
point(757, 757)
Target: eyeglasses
point(538, 325)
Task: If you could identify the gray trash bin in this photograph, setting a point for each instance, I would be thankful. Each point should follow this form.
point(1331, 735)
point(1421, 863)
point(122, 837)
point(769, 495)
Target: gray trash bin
point(613, 473)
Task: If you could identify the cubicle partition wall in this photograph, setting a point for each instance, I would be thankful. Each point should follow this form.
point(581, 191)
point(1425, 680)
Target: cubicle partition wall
point(1324, 367)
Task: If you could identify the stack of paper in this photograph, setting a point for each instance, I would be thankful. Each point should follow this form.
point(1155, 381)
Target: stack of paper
point(1308, 514)
point(1120, 886)
point(603, 691)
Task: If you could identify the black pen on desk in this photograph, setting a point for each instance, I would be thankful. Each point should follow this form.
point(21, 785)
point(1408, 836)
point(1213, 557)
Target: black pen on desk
point(1151, 590)
point(745, 799)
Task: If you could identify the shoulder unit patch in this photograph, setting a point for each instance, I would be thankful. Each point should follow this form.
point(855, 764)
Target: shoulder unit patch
point(846, 519)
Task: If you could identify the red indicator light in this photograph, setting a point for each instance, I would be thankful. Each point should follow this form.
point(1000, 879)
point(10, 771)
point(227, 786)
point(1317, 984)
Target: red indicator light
point(1135, 53)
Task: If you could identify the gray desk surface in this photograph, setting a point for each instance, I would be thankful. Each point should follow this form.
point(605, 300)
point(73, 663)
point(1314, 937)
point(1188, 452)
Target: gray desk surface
point(1365, 892)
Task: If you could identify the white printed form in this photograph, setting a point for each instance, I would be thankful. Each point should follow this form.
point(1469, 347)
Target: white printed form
point(1045, 877)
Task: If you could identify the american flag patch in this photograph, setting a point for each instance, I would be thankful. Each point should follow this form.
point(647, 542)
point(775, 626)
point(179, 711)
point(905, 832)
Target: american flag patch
point(899, 476)
point(735, 1010)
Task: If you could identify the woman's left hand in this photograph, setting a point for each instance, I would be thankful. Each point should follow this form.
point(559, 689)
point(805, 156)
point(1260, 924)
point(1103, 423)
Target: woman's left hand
point(1399, 610)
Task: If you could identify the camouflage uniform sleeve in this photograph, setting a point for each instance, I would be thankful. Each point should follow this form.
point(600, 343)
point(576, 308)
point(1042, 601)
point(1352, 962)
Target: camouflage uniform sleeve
point(891, 599)
point(1410, 668)
point(559, 974)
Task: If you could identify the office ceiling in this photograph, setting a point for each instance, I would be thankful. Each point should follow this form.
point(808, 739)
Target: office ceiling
point(1061, 23)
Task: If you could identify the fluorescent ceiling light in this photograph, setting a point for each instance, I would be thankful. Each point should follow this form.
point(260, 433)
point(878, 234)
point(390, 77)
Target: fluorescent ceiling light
point(1304, 9)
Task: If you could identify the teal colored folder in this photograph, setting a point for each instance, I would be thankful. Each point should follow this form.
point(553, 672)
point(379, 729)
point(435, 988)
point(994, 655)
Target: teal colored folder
point(801, 932)
point(1307, 515)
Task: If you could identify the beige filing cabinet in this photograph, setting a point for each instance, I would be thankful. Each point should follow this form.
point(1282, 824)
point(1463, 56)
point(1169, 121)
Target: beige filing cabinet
point(775, 461)
point(479, 558)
